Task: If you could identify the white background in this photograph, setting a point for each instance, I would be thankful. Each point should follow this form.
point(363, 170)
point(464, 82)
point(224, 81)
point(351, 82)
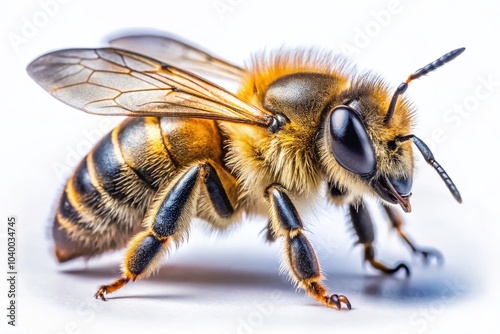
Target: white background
point(230, 283)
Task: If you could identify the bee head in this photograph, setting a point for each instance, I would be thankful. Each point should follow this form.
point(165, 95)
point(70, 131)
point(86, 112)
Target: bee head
point(367, 135)
point(361, 143)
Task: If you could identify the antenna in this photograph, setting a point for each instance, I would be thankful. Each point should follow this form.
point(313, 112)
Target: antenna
point(429, 158)
point(417, 74)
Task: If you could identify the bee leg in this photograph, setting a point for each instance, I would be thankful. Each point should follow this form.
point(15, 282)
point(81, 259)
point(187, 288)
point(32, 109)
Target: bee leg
point(362, 223)
point(397, 224)
point(302, 263)
point(166, 220)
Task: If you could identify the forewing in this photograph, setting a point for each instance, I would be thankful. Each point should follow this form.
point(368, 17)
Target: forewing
point(117, 82)
point(172, 51)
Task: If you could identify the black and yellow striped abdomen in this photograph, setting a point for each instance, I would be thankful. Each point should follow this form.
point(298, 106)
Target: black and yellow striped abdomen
point(107, 196)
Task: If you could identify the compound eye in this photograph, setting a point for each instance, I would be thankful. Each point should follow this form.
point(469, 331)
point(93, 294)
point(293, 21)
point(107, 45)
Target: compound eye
point(350, 143)
point(402, 185)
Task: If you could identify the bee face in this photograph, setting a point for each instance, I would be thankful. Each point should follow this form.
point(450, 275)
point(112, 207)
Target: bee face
point(362, 143)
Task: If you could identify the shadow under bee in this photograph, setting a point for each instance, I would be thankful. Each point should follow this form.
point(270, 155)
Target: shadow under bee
point(436, 286)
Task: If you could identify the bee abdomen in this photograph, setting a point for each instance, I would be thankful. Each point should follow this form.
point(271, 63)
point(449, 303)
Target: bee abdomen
point(143, 149)
point(130, 163)
point(106, 198)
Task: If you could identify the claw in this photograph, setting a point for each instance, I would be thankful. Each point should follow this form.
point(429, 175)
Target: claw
point(334, 299)
point(100, 293)
point(316, 290)
point(370, 257)
point(388, 270)
point(344, 300)
point(107, 289)
point(338, 299)
point(403, 266)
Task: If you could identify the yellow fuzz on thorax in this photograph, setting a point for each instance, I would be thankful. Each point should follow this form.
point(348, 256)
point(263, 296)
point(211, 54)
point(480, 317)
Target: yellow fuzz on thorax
point(260, 158)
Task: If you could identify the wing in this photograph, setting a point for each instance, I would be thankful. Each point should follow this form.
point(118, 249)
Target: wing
point(116, 82)
point(171, 50)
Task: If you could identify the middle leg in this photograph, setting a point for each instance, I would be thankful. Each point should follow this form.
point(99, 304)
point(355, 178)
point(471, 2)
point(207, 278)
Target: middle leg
point(362, 223)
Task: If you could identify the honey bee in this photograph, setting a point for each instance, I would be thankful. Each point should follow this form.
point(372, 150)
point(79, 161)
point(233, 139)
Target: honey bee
point(301, 122)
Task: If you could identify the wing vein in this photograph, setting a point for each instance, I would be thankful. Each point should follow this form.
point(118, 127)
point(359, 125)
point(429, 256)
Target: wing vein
point(112, 81)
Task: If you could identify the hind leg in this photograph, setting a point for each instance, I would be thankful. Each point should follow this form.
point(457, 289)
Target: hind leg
point(168, 221)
